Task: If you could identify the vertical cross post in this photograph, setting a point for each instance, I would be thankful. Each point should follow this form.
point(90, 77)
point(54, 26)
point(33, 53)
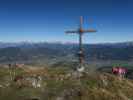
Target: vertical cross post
point(80, 31)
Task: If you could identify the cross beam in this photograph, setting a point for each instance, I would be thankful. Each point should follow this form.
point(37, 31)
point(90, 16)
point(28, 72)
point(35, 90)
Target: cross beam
point(80, 31)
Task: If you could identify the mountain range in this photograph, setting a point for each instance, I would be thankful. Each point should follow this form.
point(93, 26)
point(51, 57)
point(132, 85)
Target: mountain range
point(52, 52)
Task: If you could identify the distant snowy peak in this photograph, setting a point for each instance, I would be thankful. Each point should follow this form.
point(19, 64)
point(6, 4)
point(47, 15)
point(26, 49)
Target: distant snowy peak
point(41, 44)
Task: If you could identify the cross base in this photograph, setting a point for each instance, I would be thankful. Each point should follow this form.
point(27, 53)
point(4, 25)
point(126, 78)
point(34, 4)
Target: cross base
point(81, 69)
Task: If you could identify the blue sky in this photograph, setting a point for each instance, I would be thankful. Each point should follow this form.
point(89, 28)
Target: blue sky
point(46, 20)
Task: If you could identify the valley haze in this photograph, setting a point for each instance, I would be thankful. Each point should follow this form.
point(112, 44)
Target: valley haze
point(100, 54)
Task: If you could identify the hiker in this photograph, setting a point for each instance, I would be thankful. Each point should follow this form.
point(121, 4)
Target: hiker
point(119, 71)
point(12, 71)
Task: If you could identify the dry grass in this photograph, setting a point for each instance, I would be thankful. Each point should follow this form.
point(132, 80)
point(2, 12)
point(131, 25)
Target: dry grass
point(62, 84)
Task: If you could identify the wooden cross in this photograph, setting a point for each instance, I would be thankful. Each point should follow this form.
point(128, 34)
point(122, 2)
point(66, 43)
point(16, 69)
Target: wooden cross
point(80, 31)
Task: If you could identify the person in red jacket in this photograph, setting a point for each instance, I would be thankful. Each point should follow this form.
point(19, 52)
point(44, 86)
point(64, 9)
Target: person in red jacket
point(120, 71)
